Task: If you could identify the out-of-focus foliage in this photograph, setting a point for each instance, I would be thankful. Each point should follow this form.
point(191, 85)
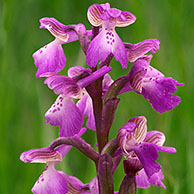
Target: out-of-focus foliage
point(24, 99)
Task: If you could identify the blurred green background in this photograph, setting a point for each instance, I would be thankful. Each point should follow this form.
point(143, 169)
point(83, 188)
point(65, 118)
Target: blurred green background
point(24, 99)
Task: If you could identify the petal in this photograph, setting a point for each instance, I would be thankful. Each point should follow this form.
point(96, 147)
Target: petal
point(64, 113)
point(62, 84)
point(77, 71)
point(147, 154)
point(50, 59)
point(156, 179)
point(105, 43)
point(166, 149)
point(142, 180)
point(126, 18)
point(160, 91)
point(137, 73)
point(141, 130)
point(86, 107)
point(94, 186)
point(113, 12)
point(140, 49)
point(58, 30)
point(155, 137)
point(50, 182)
point(94, 13)
point(41, 155)
point(93, 77)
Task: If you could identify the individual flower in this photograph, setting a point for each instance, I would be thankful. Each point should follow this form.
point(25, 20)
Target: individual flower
point(64, 112)
point(153, 85)
point(50, 59)
point(52, 181)
point(107, 41)
point(135, 51)
point(138, 145)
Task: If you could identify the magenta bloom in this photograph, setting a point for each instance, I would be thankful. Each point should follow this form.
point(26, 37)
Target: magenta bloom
point(153, 85)
point(50, 59)
point(107, 41)
point(64, 112)
point(136, 143)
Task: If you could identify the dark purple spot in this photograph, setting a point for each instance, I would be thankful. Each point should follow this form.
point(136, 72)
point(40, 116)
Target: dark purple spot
point(107, 37)
point(54, 110)
point(58, 103)
point(113, 40)
point(110, 38)
point(54, 105)
point(58, 109)
point(111, 43)
point(61, 105)
point(42, 179)
point(60, 98)
point(105, 28)
point(40, 51)
point(111, 29)
point(112, 35)
point(45, 46)
point(107, 42)
point(150, 78)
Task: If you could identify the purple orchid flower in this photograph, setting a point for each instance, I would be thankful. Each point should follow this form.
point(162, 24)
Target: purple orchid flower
point(50, 59)
point(53, 181)
point(64, 112)
point(107, 41)
point(153, 85)
point(139, 145)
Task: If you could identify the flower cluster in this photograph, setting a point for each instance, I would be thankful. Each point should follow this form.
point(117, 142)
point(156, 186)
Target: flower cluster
point(97, 100)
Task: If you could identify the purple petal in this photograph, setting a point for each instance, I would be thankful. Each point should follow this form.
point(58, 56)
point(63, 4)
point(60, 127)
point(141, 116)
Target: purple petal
point(58, 30)
point(86, 107)
point(66, 114)
point(41, 155)
point(105, 43)
point(125, 19)
point(142, 180)
point(160, 93)
point(77, 70)
point(62, 84)
point(140, 49)
point(141, 130)
point(166, 149)
point(147, 154)
point(94, 13)
point(50, 59)
point(50, 182)
point(137, 73)
point(155, 137)
point(93, 77)
point(94, 186)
